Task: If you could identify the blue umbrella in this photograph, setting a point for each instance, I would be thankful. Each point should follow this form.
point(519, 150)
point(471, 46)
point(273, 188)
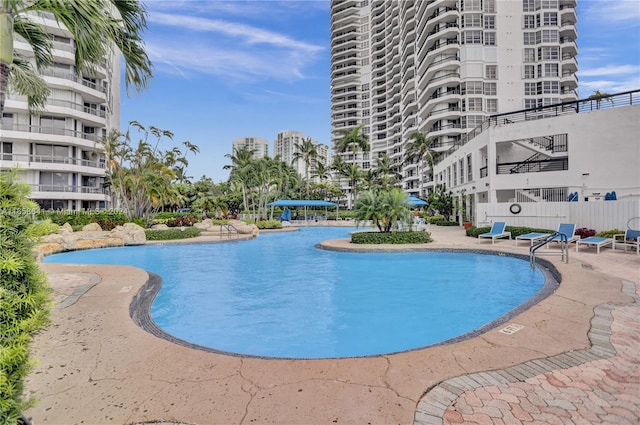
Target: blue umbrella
point(417, 202)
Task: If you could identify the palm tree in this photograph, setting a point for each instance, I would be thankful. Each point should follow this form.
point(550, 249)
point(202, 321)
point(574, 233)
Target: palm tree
point(386, 173)
point(353, 140)
point(418, 149)
point(96, 25)
point(599, 96)
point(321, 171)
point(383, 208)
point(307, 151)
point(240, 161)
point(353, 173)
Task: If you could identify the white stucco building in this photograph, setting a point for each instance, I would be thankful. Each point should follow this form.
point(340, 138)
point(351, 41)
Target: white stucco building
point(548, 160)
point(259, 147)
point(441, 68)
point(58, 152)
point(285, 148)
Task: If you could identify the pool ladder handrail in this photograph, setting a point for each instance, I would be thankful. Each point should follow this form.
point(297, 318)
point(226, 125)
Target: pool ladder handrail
point(564, 247)
point(229, 228)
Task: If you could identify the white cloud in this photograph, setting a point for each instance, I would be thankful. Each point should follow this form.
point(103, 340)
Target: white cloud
point(613, 11)
point(610, 70)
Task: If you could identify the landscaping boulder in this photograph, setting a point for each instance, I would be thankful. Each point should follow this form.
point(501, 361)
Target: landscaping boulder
point(244, 228)
point(92, 227)
point(65, 229)
point(130, 233)
point(160, 227)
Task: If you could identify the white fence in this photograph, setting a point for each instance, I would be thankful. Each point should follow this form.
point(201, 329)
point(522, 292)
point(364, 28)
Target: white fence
point(598, 215)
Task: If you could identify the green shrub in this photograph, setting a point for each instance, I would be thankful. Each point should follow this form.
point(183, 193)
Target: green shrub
point(435, 218)
point(182, 221)
point(168, 215)
point(609, 233)
point(169, 234)
point(43, 228)
point(446, 223)
point(25, 301)
point(269, 224)
point(515, 231)
point(82, 218)
point(362, 238)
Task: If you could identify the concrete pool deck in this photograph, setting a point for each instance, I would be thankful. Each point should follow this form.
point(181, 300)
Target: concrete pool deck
point(96, 366)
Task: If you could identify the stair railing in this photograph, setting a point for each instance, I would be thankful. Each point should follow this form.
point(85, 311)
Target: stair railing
point(564, 247)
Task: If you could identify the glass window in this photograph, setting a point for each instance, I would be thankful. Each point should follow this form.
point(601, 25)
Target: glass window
point(472, 20)
point(491, 72)
point(529, 21)
point(530, 103)
point(474, 104)
point(490, 6)
point(549, 19)
point(461, 168)
point(472, 37)
point(489, 22)
point(549, 53)
point(489, 38)
point(529, 55)
point(529, 72)
point(472, 87)
point(490, 89)
point(529, 38)
point(6, 149)
point(528, 5)
point(551, 87)
point(530, 89)
point(469, 169)
point(550, 69)
point(492, 105)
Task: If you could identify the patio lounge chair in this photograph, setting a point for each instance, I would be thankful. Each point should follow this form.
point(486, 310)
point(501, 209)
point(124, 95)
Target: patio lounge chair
point(630, 238)
point(497, 231)
point(532, 237)
point(596, 241)
point(567, 230)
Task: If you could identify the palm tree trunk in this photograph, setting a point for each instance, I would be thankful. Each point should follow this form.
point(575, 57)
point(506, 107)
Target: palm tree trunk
point(6, 50)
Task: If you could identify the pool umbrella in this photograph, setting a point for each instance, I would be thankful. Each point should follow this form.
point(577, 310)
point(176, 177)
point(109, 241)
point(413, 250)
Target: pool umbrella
point(417, 202)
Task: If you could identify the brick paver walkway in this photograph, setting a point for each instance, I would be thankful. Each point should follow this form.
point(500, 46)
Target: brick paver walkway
point(600, 385)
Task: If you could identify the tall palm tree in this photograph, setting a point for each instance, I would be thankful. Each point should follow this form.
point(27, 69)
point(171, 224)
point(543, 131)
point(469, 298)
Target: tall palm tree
point(96, 25)
point(353, 140)
point(239, 175)
point(353, 173)
point(307, 151)
point(419, 148)
point(322, 172)
point(386, 173)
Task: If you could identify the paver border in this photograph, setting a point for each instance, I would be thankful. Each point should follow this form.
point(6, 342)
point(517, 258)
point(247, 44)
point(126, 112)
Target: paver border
point(433, 404)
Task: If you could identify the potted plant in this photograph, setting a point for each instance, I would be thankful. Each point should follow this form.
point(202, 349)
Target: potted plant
point(465, 222)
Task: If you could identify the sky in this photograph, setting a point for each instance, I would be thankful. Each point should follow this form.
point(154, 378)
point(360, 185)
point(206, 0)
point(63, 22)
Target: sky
point(230, 69)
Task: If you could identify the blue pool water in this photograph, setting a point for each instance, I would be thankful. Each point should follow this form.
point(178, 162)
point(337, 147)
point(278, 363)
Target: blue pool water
point(279, 296)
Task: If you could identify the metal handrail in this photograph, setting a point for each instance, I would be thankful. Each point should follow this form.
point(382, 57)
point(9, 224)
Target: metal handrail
point(229, 228)
point(564, 247)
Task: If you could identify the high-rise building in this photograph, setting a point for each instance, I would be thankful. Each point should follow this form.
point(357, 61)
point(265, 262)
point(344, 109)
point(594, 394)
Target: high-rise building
point(285, 149)
point(259, 147)
point(58, 152)
point(441, 68)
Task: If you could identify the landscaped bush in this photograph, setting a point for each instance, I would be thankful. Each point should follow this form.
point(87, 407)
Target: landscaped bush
point(82, 218)
point(182, 221)
point(363, 238)
point(445, 223)
point(268, 224)
point(43, 228)
point(163, 235)
point(610, 233)
point(515, 231)
point(584, 232)
point(163, 215)
point(435, 218)
point(25, 300)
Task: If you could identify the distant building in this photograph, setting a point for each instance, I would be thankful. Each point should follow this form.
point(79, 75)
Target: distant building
point(259, 147)
point(58, 152)
point(285, 148)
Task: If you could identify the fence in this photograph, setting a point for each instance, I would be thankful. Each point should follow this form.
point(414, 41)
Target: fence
point(598, 215)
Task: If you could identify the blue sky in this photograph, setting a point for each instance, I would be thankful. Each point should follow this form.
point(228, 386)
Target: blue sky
point(230, 69)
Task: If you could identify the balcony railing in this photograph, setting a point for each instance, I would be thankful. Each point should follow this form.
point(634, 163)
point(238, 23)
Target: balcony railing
point(554, 164)
point(49, 130)
point(67, 189)
point(52, 160)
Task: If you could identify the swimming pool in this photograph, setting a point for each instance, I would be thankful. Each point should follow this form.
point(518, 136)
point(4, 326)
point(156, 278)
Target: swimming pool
point(279, 296)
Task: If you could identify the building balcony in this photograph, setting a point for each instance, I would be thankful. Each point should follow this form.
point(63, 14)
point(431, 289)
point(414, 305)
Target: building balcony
point(62, 136)
point(52, 163)
point(553, 164)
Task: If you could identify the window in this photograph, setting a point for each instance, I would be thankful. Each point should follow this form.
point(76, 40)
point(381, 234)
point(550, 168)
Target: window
point(365, 61)
point(455, 175)
point(550, 70)
point(472, 37)
point(491, 72)
point(489, 6)
point(50, 181)
point(52, 125)
point(489, 38)
point(492, 105)
point(529, 38)
point(472, 87)
point(528, 5)
point(473, 5)
point(549, 19)
point(490, 89)
point(474, 104)
point(551, 87)
point(461, 168)
point(472, 20)
point(489, 22)
point(365, 87)
point(548, 4)
point(469, 169)
point(530, 103)
point(529, 21)
point(530, 89)
point(529, 55)
point(6, 149)
point(529, 72)
point(547, 36)
point(549, 53)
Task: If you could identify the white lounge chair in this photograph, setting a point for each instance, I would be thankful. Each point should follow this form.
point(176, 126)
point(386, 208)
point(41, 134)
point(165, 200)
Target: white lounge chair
point(497, 231)
point(630, 238)
point(532, 237)
point(596, 241)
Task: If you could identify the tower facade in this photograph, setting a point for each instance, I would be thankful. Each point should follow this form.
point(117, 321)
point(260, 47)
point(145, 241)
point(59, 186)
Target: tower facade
point(259, 147)
point(285, 149)
point(58, 152)
point(441, 68)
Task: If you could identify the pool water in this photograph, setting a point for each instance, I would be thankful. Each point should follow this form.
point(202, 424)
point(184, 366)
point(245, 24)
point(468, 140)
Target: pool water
point(280, 296)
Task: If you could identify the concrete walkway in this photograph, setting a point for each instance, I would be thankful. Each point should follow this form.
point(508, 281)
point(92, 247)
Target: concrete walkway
point(554, 363)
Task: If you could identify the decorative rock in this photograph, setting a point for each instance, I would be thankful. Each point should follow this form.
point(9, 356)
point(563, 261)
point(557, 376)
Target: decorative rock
point(244, 228)
point(92, 227)
point(130, 233)
point(65, 229)
point(99, 243)
point(205, 225)
point(160, 227)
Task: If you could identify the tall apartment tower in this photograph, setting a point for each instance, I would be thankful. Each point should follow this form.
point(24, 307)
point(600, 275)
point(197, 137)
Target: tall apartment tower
point(285, 148)
point(441, 67)
point(58, 152)
point(260, 147)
